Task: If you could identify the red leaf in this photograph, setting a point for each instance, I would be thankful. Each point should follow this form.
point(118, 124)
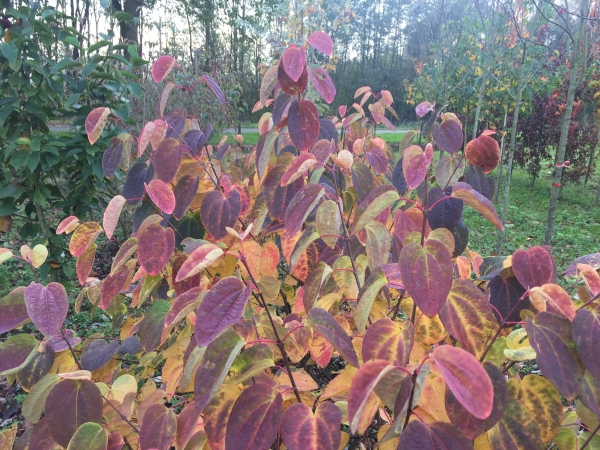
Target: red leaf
point(590, 277)
point(473, 198)
point(68, 225)
point(112, 285)
point(152, 133)
point(433, 436)
point(467, 379)
point(294, 61)
point(219, 212)
point(326, 324)
point(427, 274)
point(297, 168)
point(155, 247)
point(115, 441)
point(84, 264)
point(254, 419)
point(47, 307)
point(161, 67)
point(112, 157)
point(94, 123)
point(162, 195)
point(533, 267)
point(483, 152)
point(323, 84)
point(215, 88)
point(303, 430)
point(303, 124)
point(551, 337)
point(158, 427)
point(301, 206)
point(415, 163)
point(288, 85)
point(70, 404)
point(185, 191)
point(586, 333)
point(222, 306)
point(322, 42)
point(167, 158)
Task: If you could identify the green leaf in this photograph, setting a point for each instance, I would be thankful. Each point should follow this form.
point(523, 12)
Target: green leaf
point(122, 15)
point(98, 45)
point(9, 50)
point(72, 40)
point(135, 88)
point(90, 436)
point(72, 99)
point(64, 65)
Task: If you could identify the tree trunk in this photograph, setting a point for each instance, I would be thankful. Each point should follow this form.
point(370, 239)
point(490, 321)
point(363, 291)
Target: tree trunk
point(577, 55)
point(129, 30)
point(513, 138)
point(498, 182)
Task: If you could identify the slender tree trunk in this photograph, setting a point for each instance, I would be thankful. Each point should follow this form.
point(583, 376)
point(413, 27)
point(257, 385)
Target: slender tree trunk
point(578, 53)
point(498, 182)
point(513, 138)
point(592, 154)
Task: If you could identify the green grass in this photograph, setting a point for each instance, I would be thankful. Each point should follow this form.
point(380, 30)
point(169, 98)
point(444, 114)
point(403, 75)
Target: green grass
point(576, 227)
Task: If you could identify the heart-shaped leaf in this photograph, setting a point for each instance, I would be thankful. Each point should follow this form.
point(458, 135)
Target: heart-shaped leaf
point(533, 267)
point(219, 212)
point(324, 323)
point(155, 247)
point(84, 236)
point(386, 340)
point(483, 152)
point(427, 274)
point(98, 353)
point(162, 195)
point(303, 430)
point(222, 305)
point(167, 159)
point(467, 379)
point(47, 306)
point(415, 163)
point(199, 259)
point(448, 135)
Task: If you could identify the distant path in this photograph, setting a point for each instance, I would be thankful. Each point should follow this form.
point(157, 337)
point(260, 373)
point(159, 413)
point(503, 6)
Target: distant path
point(255, 130)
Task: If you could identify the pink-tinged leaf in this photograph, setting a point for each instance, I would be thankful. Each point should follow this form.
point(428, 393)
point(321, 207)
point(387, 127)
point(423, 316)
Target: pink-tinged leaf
point(164, 96)
point(167, 158)
point(323, 84)
point(124, 253)
point(553, 298)
point(423, 108)
point(533, 267)
point(448, 135)
point(470, 425)
point(115, 441)
point(590, 277)
point(94, 123)
point(467, 379)
point(323, 150)
point(362, 390)
point(155, 247)
point(162, 195)
point(187, 422)
point(377, 111)
point(215, 366)
point(387, 98)
point(218, 212)
point(264, 149)
point(268, 83)
point(473, 198)
point(70, 404)
point(185, 191)
point(586, 333)
point(47, 306)
point(427, 274)
point(112, 157)
point(322, 42)
point(153, 133)
point(325, 324)
point(403, 225)
point(199, 259)
point(415, 163)
point(362, 90)
point(222, 306)
point(288, 85)
point(342, 110)
point(294, 61)
point(303, 430)
point(387, 340)
point(84, 264)
point(303, 124)
point(112, 214)
point(112, 285)
point(182, 305)
point(433, 436)
point(592, 260)
point(215, 88)
point(278, 197)
point(551, 337)
point(375, 203)
point(16, 352)
point(254, 419)
point(483, 152)
point(158, 427)
point(68, 225)
point(301, 205)
point(297, 168)
point(13, 311)
point(161, 67)
point(378, 160)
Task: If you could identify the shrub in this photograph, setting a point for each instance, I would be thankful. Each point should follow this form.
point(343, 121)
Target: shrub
point(313, 293)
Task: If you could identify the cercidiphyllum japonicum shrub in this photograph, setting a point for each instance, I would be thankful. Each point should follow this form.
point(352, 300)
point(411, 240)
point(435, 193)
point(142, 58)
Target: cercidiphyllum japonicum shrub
point(247, 275)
